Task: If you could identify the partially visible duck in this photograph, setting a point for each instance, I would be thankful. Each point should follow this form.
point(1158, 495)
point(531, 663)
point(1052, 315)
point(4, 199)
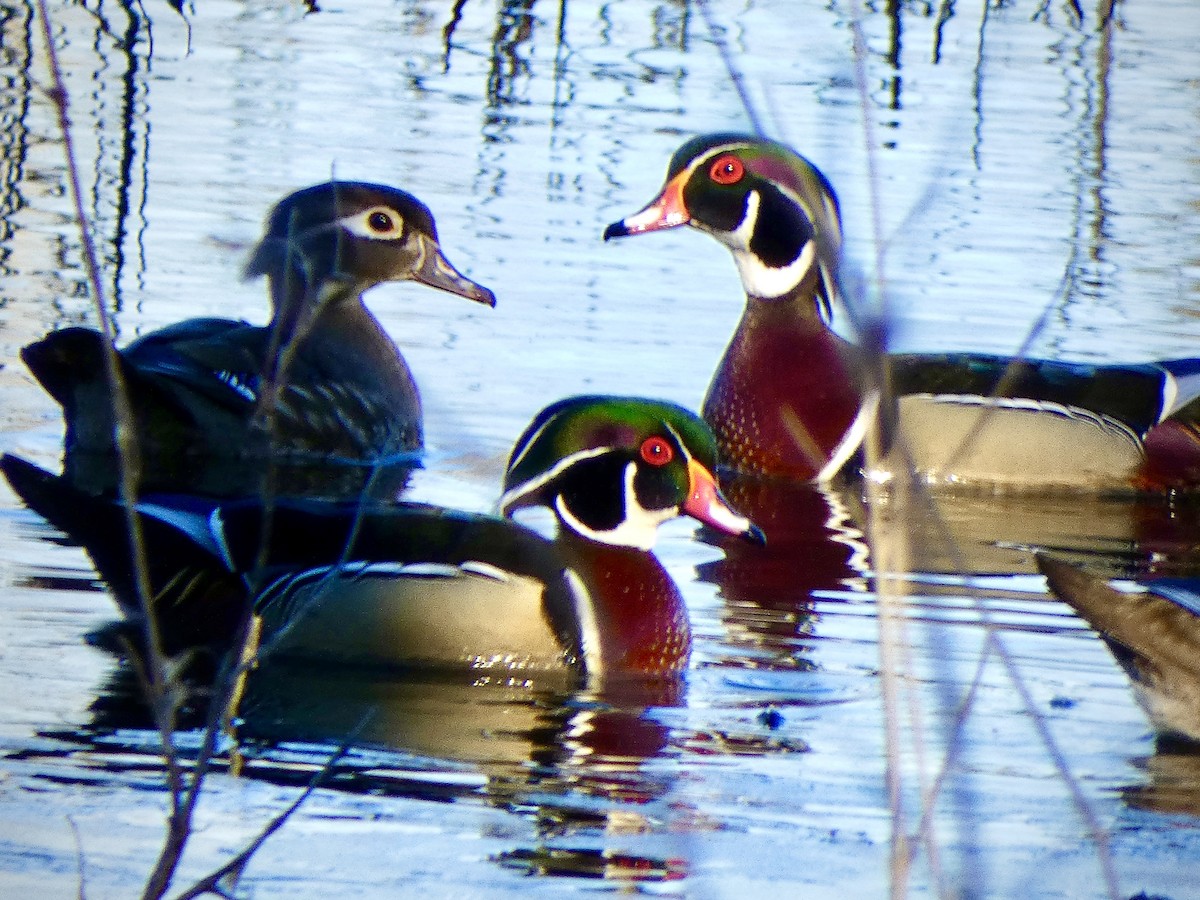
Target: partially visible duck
point(786, 398)
point(409, 584)
point(1154, 633)
point(322, 382)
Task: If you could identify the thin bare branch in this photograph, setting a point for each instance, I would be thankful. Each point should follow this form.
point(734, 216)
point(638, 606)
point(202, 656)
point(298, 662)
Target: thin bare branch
point(212, 882)
point(128, 457)
point(80, 859)
point(735, 76)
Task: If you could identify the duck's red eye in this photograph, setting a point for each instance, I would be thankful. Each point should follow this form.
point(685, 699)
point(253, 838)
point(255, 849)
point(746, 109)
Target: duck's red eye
point(727, 169)
point(656, 451)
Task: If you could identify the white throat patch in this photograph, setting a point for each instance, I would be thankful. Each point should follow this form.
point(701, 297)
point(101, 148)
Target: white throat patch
point(759, 280)
point(638, 529)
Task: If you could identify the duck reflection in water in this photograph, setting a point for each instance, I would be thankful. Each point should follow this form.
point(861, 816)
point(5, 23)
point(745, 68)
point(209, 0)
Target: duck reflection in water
point(517, 734)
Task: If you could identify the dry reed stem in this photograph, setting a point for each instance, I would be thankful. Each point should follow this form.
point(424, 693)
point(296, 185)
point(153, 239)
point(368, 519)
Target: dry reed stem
point(155, 682)
point(154, 669)
point(891, 552)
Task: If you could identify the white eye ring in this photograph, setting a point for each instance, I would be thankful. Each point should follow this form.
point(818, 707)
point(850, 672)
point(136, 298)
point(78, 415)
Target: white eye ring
point(379, 223)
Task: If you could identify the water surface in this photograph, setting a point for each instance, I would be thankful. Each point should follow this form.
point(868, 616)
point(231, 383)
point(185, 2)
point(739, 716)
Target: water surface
point(1000, 165)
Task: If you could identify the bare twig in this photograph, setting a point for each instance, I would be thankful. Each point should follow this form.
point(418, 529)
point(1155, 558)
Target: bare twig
point(211, 883)
point(125, 438)
point(80, 859)
point(735, 76)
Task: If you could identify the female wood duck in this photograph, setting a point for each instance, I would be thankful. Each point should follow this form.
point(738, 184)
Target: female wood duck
point(410, 584)
point(322, 381)
point(1154, 634)
point(793, 398)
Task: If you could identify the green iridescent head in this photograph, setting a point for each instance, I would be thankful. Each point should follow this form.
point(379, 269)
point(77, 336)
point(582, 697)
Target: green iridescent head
point(769, 205)
point(614, 468)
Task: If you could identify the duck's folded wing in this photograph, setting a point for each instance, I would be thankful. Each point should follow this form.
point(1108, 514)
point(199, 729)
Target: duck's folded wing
point(218, 361)
point(1137, 395)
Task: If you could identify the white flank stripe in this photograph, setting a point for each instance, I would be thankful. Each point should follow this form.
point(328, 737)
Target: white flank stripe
point(852, 439)
point(1103, 422)
point(589, 626)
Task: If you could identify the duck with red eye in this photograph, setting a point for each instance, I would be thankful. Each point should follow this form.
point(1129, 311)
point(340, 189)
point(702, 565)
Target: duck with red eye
point(404, 585)
point(613, 470)
point(775, 219)
point(322, 383)
point(616, 488)
point(791, 397)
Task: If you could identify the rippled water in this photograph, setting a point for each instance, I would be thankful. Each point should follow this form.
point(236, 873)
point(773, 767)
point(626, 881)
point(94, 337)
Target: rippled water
point(1005, 161)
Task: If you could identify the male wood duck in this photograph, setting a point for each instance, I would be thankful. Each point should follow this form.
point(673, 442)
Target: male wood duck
point(409, 584)
point(1154, 634)
point(321, 382)
point(788, 394)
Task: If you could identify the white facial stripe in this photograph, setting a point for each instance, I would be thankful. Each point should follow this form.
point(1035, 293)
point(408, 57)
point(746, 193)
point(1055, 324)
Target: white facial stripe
point(713, 153)
point(521, 491)
point(678, 440)
point(533, 439)
point(639, 527)
point(739, 238)
point(759, 280)
point(831, 213)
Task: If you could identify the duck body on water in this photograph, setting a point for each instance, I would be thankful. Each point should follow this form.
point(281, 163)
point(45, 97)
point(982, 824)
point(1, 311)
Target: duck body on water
point(214, 402)
point(395, 585)
point(792, 397)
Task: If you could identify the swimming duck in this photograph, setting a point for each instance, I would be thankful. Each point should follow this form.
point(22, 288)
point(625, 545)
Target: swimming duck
point(410, 584)
point(1154, 634)
point(322, 382)
point(791, 397)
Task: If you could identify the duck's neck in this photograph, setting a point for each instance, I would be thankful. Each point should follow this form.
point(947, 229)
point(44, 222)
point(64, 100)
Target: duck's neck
point(301, 304)
point(327, 330)
point(785, 393)
point(329, 314)
point(635, 620)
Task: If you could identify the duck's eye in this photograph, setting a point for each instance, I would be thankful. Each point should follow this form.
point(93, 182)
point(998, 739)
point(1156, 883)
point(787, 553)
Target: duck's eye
point(727, 169)
point(377, 223)
point(656, 451)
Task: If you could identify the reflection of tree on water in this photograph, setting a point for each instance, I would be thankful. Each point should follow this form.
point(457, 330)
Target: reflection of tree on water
point(112, 132)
